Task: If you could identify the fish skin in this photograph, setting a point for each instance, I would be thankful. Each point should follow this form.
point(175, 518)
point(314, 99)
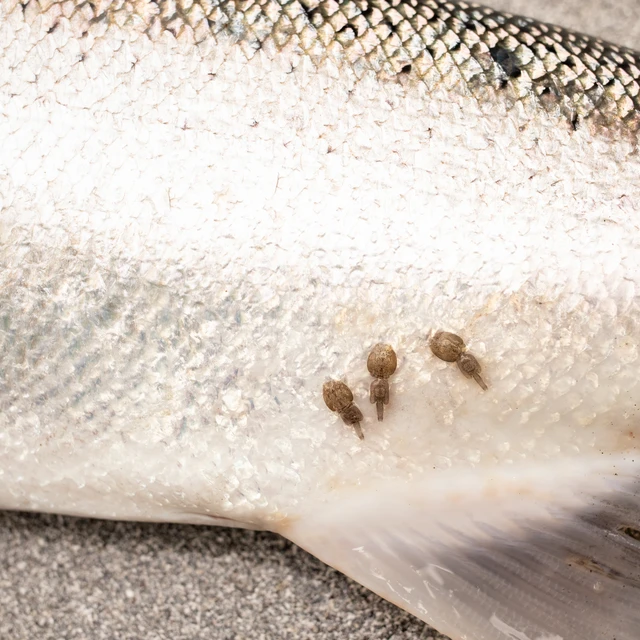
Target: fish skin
point(595, 17)
point(493, 303)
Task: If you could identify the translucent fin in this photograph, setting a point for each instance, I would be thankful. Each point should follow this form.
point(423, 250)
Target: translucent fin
point(546, 553)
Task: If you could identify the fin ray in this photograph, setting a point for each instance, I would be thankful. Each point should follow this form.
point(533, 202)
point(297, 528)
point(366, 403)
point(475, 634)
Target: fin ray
point(528, 564)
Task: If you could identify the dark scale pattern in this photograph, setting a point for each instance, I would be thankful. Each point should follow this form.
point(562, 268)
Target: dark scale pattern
point(456, 45)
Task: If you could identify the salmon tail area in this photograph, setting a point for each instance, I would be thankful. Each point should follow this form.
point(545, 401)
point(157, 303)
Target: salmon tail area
point(546, 552)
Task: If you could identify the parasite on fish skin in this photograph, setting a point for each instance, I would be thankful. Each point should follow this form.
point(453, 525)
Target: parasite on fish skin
point(470, 367)
point(382, 363)
point(447, 346)
point(338, 397)
point(451, 348)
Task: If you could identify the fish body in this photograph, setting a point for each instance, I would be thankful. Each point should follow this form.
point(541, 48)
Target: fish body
point(211, 209)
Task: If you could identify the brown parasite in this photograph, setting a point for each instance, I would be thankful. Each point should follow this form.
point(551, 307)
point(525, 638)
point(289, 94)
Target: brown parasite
point(451, 348)
point(338, 397)
point(382, 363)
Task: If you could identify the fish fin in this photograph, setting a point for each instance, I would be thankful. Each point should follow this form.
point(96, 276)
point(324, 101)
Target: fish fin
point(543, 553)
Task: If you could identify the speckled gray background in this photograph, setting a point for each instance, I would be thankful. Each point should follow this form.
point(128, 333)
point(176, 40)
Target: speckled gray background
point(68, 578)
point(71, 578)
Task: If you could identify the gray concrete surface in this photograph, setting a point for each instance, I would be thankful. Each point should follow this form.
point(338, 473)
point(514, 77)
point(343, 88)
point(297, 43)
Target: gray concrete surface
point(68, 578)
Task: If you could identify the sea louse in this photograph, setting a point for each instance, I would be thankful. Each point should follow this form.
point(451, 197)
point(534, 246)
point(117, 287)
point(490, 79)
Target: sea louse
point(382, 363)
point(451, 348)
point(338, 397)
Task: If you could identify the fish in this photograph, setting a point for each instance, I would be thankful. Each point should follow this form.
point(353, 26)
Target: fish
point(209, 210)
